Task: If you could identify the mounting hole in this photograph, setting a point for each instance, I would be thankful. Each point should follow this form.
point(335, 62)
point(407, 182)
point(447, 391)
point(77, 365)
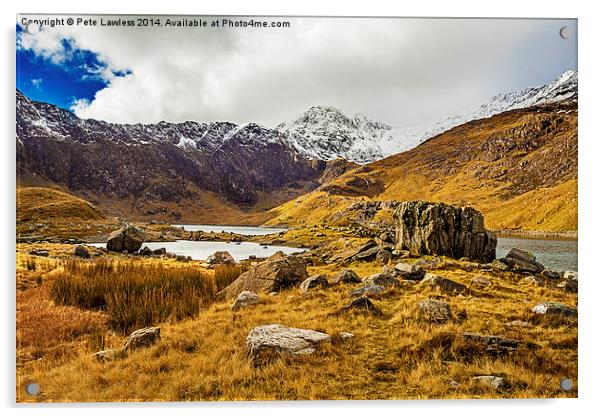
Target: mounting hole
point(32, 388)
point(565, 32)
point(566, 384)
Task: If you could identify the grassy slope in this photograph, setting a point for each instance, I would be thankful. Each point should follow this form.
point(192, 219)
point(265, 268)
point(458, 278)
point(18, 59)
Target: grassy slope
point(37, 203)
point(204, 358)
point(518, 168)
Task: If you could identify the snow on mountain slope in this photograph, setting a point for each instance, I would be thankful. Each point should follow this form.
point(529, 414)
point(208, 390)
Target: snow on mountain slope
point(326, 133)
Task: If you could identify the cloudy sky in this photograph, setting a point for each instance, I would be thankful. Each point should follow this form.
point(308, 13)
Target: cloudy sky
point(406, 72)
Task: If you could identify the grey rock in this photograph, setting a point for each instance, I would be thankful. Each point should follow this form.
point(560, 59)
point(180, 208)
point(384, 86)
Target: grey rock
point(551, 274)
point(39, 252)
point(276, 273)
point(345, 336)
point(160, 251)
point(481, 281)
point(523, 261)
point(518, 323)
point(532, 280)
point(221, 257)
point(493, 382)
point(383, 257)
point(362, 304)
point(568, 285)
point(499, 265)
point(347, 276)
point(312, 282)
point(142, 338)
point(81, 251)
point(368, 254)
point(441, 229)
point(444, 284)
point(369, 290)
point(145, 251)
point(569, 274)
point(554, 308)
point(436, 311)
point(128, 239)
point(107, 355)
point(270, 341)
point(244, 299)
point(410, 271)
point(382, 279)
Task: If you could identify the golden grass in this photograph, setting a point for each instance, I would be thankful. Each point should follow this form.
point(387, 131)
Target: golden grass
point(133, 293)
point(204, 357)
point(49, 204)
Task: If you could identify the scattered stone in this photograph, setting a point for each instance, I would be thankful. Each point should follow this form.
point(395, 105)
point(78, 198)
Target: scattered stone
point(429, 263)
point(481, 281)
point(568, 285)
point(436, 311)
point(551, 274)
point(382, 279)
point(39, 252)
point(362, 304)
point(368, 254)
point(499, 265)
point(453, 384)
point(245, 298)
point(252, 257)
point(312, 282)
point(489, 344)
point(345, 336)
point(441, 229)
point(532, 280)
point(572, 275)
point(523, 261)
point(349, 254)
point(107, 355)
point(369, 290)
point(523, 324)
point(160, 251)
point(401, 254)
point(383, 257)
point(221, 257)
point(445, 285)
point(128, 238)
point(410, 271)
point(81, 251)
point(554, 308)
point(142, 338)
point(146, 251)
point(493, 382)
point(276, 273)
point(270, 341)
point(347, 276)
point(182, 258)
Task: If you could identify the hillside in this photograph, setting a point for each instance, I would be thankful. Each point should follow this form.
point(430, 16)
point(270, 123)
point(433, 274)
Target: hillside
point(519, 168)
point(51, 204)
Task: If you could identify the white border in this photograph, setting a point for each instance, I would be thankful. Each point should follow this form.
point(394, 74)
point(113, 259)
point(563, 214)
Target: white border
point(590, 125)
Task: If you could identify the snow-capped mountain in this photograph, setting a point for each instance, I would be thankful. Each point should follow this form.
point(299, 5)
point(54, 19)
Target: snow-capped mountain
point(326, 133)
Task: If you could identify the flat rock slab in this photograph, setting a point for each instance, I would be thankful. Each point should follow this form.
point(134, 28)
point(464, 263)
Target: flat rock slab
point(368, 290)
point(270, 341)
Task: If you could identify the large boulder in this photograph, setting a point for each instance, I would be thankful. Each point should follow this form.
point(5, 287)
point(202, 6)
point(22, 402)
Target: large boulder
point(129, 238)
point(523, 261)
point(276, 273)
point(441, 229)
point(221, 257)
point(270, 341)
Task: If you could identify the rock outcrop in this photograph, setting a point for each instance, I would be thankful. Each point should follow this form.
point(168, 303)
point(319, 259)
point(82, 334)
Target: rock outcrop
point(129, 239)
point(441, 229)
point(276, 273)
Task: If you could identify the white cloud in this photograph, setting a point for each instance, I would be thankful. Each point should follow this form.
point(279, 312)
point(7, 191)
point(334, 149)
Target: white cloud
point(37, 83)
point(401, 71)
